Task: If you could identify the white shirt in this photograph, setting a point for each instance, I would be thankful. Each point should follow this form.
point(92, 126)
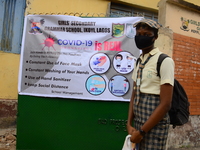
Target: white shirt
point(150, 82)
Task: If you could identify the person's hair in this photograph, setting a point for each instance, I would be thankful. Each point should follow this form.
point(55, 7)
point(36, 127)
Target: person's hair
point(128, 57)
point(119, 55)
point(146, 26)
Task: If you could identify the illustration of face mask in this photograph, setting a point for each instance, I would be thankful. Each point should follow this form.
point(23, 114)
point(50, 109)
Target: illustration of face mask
point(143, 41)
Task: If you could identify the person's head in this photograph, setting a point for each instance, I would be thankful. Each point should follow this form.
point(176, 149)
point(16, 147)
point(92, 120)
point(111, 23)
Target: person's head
point(146, 33)
point(129, 58)
point(119, 57)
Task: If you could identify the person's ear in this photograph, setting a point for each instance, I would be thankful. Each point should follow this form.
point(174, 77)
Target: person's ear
point(155, 37)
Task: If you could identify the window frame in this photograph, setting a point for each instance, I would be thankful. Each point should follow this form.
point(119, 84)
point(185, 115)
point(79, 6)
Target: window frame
point(120, 10)
point(11, 25)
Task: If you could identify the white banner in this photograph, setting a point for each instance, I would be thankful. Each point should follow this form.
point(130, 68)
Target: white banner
point(81, 58)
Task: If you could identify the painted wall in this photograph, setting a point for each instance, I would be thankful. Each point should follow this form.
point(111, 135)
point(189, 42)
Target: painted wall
point(196, 2)
point(183, 21)
point(66, 6)
point(151, 4)
point(9, 66)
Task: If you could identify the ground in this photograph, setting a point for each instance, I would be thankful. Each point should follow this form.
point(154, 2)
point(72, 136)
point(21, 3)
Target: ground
point(8, 139)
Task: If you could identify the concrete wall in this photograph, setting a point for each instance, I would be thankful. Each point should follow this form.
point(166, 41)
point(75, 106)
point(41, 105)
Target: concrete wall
point(186, 55)
point(186, 46)
point(186, 136)
point(165, 41)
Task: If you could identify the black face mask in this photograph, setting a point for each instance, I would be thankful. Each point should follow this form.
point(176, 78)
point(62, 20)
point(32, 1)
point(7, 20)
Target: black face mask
point(143, 41)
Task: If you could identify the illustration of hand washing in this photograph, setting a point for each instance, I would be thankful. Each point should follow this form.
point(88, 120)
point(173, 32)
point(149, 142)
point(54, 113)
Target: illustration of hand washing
point(95, 85)
point(100, 61)
point(98, 80)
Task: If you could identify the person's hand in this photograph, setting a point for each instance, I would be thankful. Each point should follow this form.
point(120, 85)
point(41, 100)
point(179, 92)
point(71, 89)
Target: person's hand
point(136, 137)
point(130, 129)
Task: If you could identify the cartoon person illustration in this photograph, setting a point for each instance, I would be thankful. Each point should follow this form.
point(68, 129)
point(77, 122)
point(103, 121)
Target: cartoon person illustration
point(111, 85)
point(125, 85)
point(129, 61)
point(35, 26)
point(119, 58)
point(118, 85)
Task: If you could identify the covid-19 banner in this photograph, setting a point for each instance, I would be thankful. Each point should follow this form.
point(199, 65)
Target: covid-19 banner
point(78, 58)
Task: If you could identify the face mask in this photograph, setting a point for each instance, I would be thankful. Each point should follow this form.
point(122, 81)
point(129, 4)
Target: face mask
point(143, 41)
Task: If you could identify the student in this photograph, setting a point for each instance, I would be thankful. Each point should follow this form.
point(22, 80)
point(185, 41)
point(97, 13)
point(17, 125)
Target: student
point(152, 95)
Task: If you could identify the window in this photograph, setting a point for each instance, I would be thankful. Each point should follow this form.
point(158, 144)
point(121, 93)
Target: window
point(11, 24)
point(118, 10)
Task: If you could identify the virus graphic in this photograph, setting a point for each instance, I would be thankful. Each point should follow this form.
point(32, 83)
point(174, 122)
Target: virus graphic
point(49, 42)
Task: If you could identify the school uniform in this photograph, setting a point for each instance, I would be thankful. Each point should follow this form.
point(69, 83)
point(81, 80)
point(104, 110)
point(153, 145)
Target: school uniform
point(149, 99)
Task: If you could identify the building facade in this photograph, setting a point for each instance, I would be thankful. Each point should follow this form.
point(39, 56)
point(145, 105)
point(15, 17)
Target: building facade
point(181, 37)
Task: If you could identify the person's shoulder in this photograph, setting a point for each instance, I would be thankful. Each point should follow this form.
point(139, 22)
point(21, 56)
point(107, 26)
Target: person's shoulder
point(156, 55)
point(168, 60)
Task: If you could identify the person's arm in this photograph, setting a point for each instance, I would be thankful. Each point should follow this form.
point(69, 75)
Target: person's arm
point(162, 109)
point(130, 129)
point(166, 91)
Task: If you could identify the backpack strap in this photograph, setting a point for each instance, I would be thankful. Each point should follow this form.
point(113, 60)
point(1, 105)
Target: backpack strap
point(138, 61)
point(159, 62)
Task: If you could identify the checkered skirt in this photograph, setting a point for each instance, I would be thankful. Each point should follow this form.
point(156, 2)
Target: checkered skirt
point(156, 138)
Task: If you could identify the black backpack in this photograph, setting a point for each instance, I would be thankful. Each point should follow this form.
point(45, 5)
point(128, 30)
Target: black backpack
point(179, 111)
